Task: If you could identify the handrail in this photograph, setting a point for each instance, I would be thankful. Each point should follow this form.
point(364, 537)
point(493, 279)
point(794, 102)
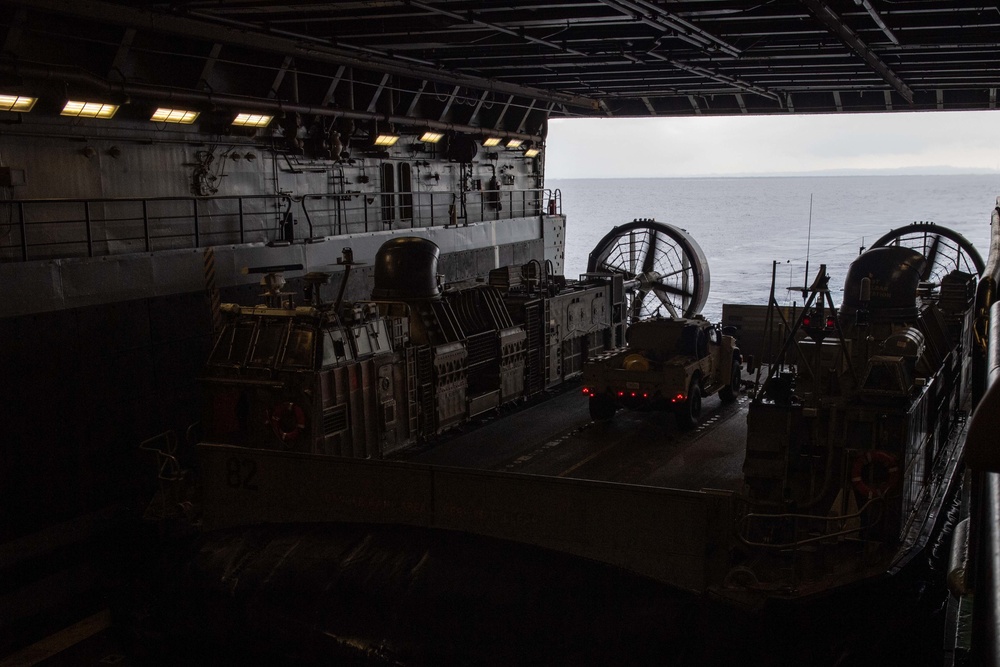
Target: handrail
point(88, 227)
point(778, 518)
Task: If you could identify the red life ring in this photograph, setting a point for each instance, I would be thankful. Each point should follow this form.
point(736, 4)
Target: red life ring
point(877, 457)
point(287, 421)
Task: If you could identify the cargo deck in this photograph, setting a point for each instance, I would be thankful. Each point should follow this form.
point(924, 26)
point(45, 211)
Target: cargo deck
point(557, 438)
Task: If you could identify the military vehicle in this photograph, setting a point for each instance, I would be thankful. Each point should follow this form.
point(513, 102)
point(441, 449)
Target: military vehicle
point(667, 364)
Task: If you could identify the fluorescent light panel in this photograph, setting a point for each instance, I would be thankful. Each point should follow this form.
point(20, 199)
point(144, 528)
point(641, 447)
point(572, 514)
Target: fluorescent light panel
point(431, 137)
point(252, 120)
point(491, 141)
point(386, 139)
point(514, 143)
point(531, 152)
point(181, 116)
point(19, 103)
point(88, 109)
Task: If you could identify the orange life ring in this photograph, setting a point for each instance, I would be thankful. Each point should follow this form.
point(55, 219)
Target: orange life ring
point(877, 457)
point(287, 421)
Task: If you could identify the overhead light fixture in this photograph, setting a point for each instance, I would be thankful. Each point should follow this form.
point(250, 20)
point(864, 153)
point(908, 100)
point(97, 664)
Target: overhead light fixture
point(531, 152)
point(514, 143)
point(252, 120)
point(88, 109)
point(491, 141)
point(385, 139)
point(181, 116)
point(20, 103)
point(431, 137)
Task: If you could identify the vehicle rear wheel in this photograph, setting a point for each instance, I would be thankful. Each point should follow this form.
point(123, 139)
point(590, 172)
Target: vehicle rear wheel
point(602, 408)
point(689, 412)
point(729, 393)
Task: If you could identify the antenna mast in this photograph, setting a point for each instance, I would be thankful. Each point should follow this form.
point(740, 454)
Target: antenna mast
point(805, 276)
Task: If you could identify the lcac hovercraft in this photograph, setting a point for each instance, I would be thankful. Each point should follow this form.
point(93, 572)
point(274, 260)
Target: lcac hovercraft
point(855, 435)
point(366, 379)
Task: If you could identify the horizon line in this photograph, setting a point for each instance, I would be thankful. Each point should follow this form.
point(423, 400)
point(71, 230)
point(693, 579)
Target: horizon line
point(891, 171)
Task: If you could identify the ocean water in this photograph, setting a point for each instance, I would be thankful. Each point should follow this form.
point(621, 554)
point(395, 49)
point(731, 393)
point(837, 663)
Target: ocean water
point(743, 224)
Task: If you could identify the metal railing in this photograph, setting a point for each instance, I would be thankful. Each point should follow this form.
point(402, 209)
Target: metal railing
point(803, 528)
point(34, 229)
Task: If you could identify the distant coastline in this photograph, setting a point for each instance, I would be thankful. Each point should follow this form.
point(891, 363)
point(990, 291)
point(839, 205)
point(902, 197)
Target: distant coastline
point(899, 171)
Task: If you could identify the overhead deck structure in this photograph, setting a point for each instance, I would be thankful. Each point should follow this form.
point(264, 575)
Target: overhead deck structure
point(511, 65)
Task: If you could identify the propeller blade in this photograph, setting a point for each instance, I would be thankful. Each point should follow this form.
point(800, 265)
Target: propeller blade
point(670, 289)
point(666, 302)
point(632, 254)
point(648, 260)
point(637, 299)
point(931, 257)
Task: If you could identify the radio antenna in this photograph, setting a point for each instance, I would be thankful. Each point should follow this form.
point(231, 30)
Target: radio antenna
point(805, 276)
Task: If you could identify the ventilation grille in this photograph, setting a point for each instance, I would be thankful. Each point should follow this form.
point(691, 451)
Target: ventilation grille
point(335, 420)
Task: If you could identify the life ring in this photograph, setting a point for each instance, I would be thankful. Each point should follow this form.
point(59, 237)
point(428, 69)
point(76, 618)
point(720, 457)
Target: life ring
point(877, 457)
point(287, 421)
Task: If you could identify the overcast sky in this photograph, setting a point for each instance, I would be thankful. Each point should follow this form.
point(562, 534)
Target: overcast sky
point(942, 142)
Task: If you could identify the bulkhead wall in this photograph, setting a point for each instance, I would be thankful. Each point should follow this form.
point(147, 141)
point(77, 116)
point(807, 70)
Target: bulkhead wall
point(90, 190)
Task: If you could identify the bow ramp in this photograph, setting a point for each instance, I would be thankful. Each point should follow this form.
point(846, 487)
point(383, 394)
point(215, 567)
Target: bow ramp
point(673, 536)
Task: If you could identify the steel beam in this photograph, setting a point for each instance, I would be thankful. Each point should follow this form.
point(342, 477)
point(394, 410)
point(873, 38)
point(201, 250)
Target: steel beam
point(878, 20)
point(313, 49)
point(279, 77)
point(416, 99)
point(721, 78)
point(479, 105)
point(333, 85)
point(122, 55)
point(503, 112)
point(373, 104)
point(524, 119)
point(655, 17)
point(472, 17)
point(206, 70)
point(451, 100)
point(836, 25)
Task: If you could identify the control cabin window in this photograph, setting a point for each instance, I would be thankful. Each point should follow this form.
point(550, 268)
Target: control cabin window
point(379, 335)
point(233, 345)
point(300, 350)
point(336, 350)
point(270, 335)
point(362, 340)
